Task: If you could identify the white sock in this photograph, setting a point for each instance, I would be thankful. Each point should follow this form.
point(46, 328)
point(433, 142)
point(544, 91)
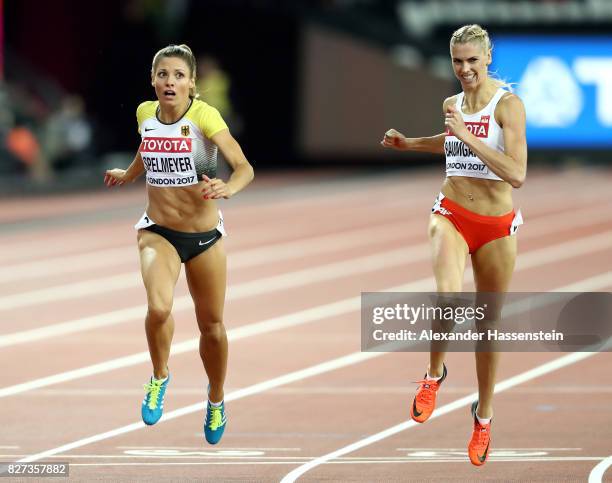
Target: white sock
point(215, 405)
point(483, 421)
point(429, 378)
point(160, 380)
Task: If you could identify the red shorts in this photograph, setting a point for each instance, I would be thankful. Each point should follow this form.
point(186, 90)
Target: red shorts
point(477, 229)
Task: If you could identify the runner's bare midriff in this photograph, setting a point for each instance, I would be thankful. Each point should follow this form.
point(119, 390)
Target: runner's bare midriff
point(482, 196)
point(182, 209)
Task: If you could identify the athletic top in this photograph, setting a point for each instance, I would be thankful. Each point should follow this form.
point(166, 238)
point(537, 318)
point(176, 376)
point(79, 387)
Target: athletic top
point(460, 160)
point(178, 154)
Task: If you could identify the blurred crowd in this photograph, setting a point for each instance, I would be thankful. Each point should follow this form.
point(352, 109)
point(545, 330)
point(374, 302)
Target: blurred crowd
point(39, 138)
point(213, 86)
point(44, 137)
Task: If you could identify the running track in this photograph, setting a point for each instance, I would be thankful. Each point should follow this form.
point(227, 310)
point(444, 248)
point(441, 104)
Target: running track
point(303, 401)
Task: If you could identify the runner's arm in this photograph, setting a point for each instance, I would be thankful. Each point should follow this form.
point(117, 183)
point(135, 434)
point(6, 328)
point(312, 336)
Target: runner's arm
point(431, 144)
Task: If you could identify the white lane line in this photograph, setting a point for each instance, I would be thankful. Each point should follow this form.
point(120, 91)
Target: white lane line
point(70, 291)
point(247, 289)
point(344, 361)
point(497, 450)
point(592, 284)
point(447, 408)
point(296, 278)
point(81, 392)
point(556, 252)
point(289, 378)
point(71, 241)
point(199, 448)
point(204, 455)
point(597, 473)
point(297, 462)
point(341, 307)
point(240, 259)
point(584, 285)
point(109, 257)
point(84, 323)
point(71, 263)
point(191, 463)
point(272, 252)
point(409, 254)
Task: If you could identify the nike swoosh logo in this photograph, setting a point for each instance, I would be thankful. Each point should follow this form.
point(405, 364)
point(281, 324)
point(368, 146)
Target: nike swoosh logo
point(414, 409)
point(484, 455)
point(206, 243)
point(147, 129)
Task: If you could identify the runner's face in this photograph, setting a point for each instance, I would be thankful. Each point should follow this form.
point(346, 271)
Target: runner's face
point(172, 81)
point(470, 63)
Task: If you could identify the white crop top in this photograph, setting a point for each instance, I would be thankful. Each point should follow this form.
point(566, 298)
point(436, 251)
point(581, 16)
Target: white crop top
point(460, 160)
point(178, 154)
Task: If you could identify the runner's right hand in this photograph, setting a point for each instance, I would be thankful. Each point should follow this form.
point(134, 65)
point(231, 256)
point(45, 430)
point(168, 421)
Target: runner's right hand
point(114, 177)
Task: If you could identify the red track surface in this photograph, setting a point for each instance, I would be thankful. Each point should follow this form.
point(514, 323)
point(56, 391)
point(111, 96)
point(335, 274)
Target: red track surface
point(297, 244)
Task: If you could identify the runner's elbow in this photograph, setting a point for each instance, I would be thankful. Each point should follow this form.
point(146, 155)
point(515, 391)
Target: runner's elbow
point(517, 181)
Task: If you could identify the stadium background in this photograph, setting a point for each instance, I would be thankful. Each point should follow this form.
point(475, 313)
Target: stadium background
point(309, 87)
point(311, 83)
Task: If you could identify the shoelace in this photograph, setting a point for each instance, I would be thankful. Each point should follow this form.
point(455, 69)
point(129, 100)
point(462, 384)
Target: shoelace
point(153, 389)
point(216, 418)
point(426, 395)
point(481, 435)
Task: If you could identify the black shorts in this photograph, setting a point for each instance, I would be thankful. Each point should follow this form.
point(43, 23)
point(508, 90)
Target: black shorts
point(187, 245)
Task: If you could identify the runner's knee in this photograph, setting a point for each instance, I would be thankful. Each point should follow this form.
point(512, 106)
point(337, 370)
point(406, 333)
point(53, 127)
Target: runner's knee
point(158, 312)
point(212, 328)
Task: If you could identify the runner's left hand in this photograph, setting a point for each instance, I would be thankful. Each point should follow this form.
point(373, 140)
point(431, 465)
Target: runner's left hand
point(215, 189)
point(454, 123)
